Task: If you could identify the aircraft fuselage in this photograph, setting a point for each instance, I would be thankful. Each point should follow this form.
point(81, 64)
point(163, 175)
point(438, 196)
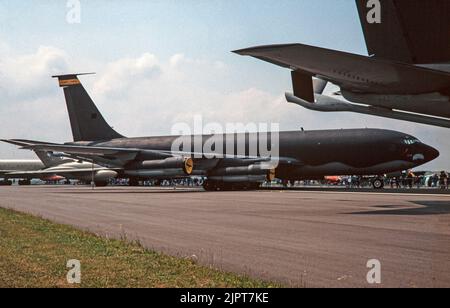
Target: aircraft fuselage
point(309, 153)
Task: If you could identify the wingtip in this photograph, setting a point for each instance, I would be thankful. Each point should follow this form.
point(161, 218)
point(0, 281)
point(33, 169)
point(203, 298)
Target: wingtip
point(241, 52)
point(257, 50)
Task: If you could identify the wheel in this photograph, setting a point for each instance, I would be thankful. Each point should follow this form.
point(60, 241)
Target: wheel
point(212, 186)
point(378, 184)
point(101, 184)
point(255, 186)
point(24, 182)
point(209, 186)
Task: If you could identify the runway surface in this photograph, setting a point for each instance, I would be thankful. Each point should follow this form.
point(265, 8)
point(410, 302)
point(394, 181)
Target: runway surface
point(301, 238)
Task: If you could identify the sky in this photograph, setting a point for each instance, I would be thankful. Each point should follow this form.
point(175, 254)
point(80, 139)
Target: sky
point(161, 62)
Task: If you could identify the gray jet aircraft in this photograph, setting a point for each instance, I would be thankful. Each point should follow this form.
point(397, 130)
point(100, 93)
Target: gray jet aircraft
point(301, 154)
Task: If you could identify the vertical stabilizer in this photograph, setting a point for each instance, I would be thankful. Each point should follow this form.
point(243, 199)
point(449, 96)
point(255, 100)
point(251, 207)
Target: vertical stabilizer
point(86, 121)
point(410, 31)
point(49, 159)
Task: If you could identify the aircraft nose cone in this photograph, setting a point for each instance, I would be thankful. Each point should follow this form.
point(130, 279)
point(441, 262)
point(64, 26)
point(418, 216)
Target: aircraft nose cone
point(432, 154)
point(426, 153)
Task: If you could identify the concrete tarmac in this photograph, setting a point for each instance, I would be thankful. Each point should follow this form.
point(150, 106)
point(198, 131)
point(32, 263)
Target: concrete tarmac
point(300, 238)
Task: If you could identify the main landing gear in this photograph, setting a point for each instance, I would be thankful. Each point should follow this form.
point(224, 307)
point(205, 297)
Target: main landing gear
point(133, 182)
point(378, 183)
point(222, 186)
point(24, 182)
point(5, 182)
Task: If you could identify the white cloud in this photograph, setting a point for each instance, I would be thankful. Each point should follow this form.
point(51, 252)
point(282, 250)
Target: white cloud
point(121, 74)
point(28, 76)
point(145, 96)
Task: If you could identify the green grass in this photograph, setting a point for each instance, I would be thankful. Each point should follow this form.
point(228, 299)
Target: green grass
point(34, 253)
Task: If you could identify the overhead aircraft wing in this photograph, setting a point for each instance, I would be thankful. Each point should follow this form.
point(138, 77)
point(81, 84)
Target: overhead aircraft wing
point(350, 71)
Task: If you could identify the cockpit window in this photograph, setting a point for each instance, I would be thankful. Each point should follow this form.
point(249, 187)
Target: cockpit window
point(411, 141)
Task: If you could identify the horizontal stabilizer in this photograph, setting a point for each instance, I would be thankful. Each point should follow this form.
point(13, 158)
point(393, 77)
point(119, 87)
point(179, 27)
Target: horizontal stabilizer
point(70, 79)
point(24, 143)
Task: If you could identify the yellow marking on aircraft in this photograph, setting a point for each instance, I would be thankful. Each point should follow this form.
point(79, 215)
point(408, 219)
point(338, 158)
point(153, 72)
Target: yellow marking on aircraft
point(69, 82)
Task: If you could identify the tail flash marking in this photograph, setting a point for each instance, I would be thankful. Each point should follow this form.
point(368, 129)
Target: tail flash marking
point(69, 82)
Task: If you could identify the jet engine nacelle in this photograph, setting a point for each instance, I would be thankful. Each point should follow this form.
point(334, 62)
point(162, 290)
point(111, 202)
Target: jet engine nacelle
point(104, 175)
point(330, 104)
point(243, 170)
point(174, 166)
point(252, 173)
point(159, 174)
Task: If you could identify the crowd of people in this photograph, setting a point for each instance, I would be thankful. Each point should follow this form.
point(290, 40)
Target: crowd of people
point(405, 180)
point(411, 180)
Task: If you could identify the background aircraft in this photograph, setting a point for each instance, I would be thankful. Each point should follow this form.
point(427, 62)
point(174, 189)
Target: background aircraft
point(311, 154)
point(54, 168)
point(12, 165)
point(406, 76)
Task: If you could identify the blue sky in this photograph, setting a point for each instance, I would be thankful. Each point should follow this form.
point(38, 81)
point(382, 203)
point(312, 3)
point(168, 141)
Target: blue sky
point(207, 29)
point(159, 62)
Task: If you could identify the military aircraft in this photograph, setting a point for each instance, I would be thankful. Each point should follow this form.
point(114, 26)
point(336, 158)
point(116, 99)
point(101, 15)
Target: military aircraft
point(53, 167)
point(406, 76)
point(12, 165)
point(301, 154)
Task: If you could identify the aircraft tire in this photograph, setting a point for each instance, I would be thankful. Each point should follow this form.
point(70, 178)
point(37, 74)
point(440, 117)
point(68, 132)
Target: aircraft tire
point(5, 183)
point(101, 184)
point(220, 186)
point(24, 182)
point(378, 183)
point(209, 186)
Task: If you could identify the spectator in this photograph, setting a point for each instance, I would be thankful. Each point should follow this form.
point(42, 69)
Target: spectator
point(443, 180)
point(435, 180)
point(410, 179)
point(418, 181)
point(395, 182)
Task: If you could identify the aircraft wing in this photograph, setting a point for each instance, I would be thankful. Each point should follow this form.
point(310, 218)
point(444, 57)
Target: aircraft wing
point(45, 173)
point(350, 71)
point(119, 157)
